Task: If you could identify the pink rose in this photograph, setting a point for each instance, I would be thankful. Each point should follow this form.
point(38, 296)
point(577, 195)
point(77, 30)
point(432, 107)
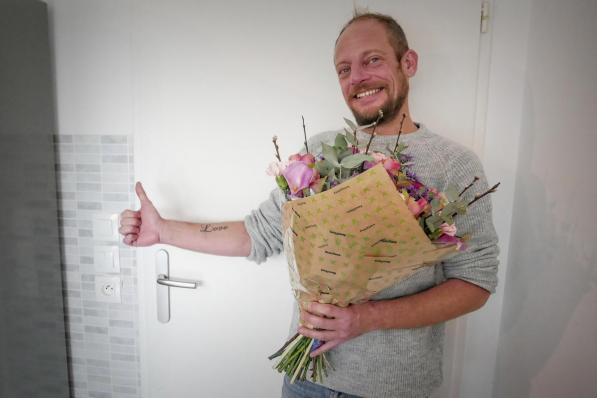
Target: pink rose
point(307, 158)
point(299, 176)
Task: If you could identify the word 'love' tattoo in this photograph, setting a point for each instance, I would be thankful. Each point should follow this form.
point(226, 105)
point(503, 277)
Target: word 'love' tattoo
point(212, 228)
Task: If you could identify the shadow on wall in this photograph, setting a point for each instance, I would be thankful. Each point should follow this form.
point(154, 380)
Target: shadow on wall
point(547, 341)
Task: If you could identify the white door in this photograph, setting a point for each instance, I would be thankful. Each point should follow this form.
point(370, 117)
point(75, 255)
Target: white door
point(213, 81)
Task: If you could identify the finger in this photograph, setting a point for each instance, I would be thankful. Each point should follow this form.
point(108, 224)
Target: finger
point(328, 310)
point(134, 221)
point(325, 347)
point(130, 214)
point(323, 335)
point(128, 229)
point(316, 321)
point(141, 192)
point(129, 239)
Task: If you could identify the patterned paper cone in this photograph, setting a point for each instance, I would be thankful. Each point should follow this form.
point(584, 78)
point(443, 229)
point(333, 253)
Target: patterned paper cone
point(346, 244)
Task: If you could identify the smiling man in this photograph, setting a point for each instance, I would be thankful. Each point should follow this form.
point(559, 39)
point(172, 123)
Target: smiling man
point(392, 345)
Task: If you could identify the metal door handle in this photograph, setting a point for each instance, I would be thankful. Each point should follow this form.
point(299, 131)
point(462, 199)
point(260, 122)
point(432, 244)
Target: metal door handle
point(164, 280)
point(164, 283)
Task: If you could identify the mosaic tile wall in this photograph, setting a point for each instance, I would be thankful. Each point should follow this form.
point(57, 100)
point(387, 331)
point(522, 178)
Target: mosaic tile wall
point(95, 182)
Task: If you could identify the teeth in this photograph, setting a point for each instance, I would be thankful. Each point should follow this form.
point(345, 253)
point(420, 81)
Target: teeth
point(367, 93)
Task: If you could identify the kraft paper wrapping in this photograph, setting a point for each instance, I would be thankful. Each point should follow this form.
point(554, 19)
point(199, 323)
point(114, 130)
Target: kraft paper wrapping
point(346, 244)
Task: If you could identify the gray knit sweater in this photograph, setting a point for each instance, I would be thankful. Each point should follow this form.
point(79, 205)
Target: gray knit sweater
point(404, 363)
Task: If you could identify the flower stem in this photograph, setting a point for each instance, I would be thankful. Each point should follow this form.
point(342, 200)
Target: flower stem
point(379, 117)
point(399, 132)
point(469, 185)
point(479, 196)
point(305, 134)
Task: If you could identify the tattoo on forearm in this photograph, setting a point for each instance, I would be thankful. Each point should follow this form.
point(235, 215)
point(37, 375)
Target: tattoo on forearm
point(212, 228)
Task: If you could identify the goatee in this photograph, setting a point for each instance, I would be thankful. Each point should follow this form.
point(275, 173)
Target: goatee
point(390, 110)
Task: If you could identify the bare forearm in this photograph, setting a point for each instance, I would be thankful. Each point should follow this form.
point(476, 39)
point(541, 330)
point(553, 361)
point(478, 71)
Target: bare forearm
point(441, 303)
point(222, 239)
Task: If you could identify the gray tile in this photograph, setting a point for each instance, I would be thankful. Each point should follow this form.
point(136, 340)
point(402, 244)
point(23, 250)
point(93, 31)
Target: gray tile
point(83, 186)
point(114, 149)
point(115, 159)
point(123, 357)
point(115, 168)
point(86, 148)
point(96, 329)
point(85, 233)
point(116, 177)
point(87, 158)
point(116, 187)
point(114, 139)
point(88, 168)
point(88, 177)
point(86, 260)
point(99, 394)
point(98, 362)
point(86, 139)
point(121, 324)
point(89, 206)
point(125, 389)
point(122, 340)
point(116, 197)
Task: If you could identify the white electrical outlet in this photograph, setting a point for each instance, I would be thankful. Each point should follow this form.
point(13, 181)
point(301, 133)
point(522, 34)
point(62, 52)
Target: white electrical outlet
point(107, 288)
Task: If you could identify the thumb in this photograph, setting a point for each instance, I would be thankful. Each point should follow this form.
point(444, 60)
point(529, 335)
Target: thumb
point(141, 192)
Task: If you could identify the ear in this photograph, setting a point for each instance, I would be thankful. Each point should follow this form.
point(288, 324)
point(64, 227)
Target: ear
point(409, 63)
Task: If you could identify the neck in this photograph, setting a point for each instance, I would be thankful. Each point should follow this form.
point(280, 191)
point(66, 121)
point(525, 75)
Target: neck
point(392, 126)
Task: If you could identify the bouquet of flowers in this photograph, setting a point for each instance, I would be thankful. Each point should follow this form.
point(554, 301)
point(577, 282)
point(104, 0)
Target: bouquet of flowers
point(356, 223)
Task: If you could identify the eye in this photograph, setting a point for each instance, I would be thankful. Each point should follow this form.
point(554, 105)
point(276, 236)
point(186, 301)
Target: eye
point(373, 60)
point(342, 71)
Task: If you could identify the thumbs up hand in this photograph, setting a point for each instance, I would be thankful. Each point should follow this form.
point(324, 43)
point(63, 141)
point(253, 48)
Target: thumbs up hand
point(141, 227)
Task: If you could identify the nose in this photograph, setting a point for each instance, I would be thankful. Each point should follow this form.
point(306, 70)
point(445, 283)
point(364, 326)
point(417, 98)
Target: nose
point(358, 75)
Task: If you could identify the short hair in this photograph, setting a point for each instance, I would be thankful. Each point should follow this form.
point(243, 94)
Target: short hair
point(395, 33)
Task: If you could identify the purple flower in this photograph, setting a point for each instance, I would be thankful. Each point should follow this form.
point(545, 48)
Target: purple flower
point(316, 344)
point(298, 175)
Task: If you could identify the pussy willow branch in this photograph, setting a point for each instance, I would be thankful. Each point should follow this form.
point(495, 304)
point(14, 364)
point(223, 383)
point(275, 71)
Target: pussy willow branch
point(379, 117)
point(305, 134)
point(399, 132)
point(275, 141)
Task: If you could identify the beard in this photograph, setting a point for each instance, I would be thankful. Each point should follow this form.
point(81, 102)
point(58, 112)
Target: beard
point(390, 108)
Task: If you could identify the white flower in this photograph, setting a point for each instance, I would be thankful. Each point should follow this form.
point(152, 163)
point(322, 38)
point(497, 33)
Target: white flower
point(276, 168)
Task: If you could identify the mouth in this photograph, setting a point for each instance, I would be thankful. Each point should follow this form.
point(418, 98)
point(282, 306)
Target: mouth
point(367, 93)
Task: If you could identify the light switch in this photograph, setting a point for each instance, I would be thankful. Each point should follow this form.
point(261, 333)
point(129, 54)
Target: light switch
point(106, 259)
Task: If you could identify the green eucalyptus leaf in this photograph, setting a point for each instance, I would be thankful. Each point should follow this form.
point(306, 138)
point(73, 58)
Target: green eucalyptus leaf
point(451, 193)
point(351, 124)
point(350, 138)
point(329, 154)
point(353, 161)
point(435, 205)
point(433, 222)
point(340, 143)
point(323, 167)
point(345, 153)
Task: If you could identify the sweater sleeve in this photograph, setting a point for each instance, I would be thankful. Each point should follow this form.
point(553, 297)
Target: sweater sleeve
point(478, 263)
point(264, 226)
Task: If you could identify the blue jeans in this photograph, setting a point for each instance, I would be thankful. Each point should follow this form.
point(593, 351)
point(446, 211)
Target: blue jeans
point(305, 389)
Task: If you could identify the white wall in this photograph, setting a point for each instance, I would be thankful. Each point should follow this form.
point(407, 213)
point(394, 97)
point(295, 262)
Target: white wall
point(548, 344)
